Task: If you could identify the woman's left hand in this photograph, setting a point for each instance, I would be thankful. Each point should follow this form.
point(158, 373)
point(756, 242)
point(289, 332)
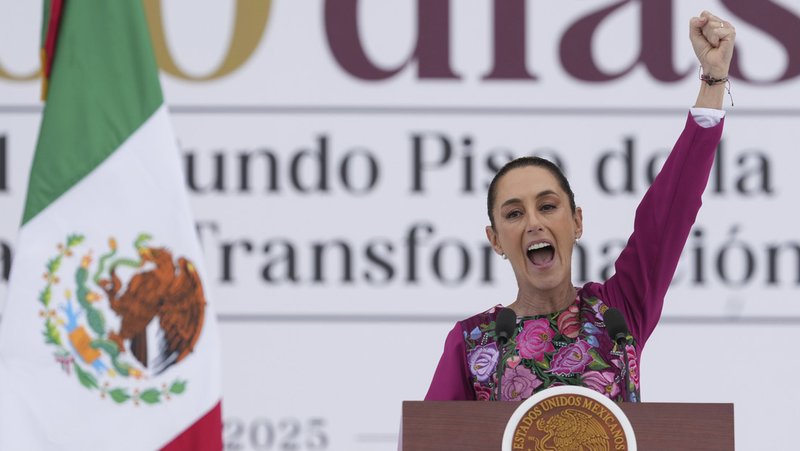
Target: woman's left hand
point(712, 39)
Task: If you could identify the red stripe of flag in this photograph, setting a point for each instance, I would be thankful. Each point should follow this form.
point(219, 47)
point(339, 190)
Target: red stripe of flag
point(56, 8)
point(204, 435)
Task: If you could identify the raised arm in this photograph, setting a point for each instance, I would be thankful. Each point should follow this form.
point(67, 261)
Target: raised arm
point(668, 210)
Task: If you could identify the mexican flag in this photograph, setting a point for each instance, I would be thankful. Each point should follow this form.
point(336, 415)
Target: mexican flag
point(108, 339)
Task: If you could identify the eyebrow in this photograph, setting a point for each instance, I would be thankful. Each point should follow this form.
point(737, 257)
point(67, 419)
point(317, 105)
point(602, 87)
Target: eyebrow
point(516, 200)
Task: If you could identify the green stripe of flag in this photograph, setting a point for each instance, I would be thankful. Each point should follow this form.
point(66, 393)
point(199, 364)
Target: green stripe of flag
point(103, 86)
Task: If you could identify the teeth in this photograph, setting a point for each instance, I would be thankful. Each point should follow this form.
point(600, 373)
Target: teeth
point(538, 246)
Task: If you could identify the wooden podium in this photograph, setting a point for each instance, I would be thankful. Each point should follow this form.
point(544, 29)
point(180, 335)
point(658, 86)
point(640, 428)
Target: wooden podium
point(478, 425)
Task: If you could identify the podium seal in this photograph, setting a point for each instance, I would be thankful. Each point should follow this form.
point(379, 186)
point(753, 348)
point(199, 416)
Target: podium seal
point(567, 418)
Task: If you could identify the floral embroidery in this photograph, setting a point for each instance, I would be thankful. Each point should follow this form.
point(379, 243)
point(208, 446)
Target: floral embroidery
point(482, 361)
point(570, 347)
point(603, 381)
point(535, 339)
point(571, 358)
point(633, 360)
point(476, 333)
point(568, 322)
point(482, 392)
point(518, 384)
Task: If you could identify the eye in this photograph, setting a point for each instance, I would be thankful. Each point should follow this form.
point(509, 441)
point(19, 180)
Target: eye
point(513, 214)
point(547, 207)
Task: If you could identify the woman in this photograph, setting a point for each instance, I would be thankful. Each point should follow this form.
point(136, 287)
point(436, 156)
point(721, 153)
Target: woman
point(560, 336)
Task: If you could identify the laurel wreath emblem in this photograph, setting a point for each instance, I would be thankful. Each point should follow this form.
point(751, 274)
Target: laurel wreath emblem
point(88, 349)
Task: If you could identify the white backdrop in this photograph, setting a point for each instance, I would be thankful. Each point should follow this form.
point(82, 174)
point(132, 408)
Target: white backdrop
point(342, 218)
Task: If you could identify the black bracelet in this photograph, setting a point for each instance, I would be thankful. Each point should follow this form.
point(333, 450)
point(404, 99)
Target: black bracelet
point(711, 81)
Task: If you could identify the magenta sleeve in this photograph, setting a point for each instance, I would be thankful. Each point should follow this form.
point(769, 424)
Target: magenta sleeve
point(451, 379)
point(663, 220)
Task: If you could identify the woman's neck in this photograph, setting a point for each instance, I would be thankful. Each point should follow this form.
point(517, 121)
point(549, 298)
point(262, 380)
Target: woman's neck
point(542, 303)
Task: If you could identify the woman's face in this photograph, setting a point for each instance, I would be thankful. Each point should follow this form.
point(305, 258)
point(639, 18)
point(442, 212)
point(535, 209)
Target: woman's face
point(535, 228)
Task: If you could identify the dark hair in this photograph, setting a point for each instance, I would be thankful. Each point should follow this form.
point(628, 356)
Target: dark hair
point(523, 162)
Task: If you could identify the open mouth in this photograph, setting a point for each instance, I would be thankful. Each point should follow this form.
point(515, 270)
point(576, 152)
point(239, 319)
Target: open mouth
point(541, 253)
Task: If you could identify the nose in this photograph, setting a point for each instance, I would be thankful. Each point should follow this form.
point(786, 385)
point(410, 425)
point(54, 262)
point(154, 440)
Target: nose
point(534, 223)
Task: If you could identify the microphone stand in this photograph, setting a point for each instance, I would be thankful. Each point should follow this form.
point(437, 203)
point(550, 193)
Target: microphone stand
point(618, 332)
point(622, 342)
point(501, 347)
point(505, 323)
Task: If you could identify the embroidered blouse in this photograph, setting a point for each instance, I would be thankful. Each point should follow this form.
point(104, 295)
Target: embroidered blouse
point(571, 347)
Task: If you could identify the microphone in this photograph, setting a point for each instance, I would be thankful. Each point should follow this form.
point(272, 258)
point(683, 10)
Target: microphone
point(615, 325)
point(504, 327)
point(618, 331)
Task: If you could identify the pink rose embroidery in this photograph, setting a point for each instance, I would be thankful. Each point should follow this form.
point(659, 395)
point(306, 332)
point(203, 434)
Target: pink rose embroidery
point(518, 384)
point(569, 323)
point(535, 339)
point(571, 359)
point(482, 393)
point(603, 382)
point(633, 365)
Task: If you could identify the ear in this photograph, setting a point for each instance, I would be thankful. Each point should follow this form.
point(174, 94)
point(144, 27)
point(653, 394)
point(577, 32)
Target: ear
point(578, 218)
point(491, 235)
